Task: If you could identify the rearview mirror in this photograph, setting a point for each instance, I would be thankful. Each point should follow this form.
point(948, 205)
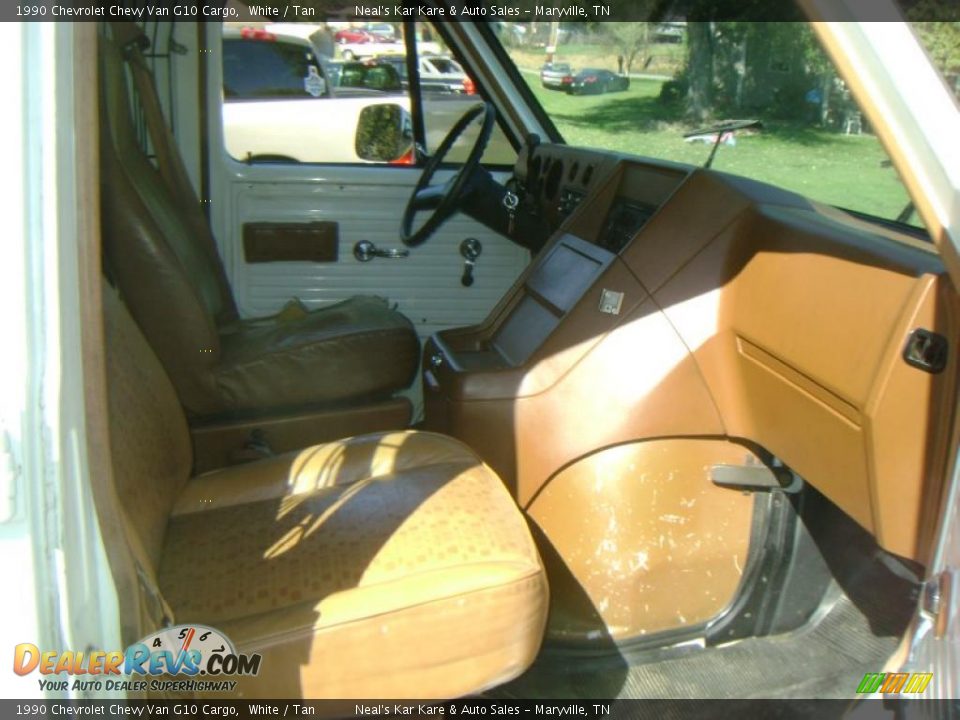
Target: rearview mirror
point(384, 133)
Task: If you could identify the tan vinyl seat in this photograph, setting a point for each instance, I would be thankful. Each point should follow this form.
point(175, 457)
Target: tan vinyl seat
point(383, 566)
point(165, 262)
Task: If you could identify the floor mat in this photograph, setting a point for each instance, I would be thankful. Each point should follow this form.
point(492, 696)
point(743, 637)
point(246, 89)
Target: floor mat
point(855, 631)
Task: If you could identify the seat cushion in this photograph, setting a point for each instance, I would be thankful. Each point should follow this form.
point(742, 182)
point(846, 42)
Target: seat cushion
point(388, 565)
point(353, 349)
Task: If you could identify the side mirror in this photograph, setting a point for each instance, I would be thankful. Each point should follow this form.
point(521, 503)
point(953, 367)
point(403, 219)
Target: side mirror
point(384, 133)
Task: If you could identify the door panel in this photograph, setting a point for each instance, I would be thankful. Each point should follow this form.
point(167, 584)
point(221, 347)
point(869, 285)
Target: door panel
point(365, 201)
point(366, 204)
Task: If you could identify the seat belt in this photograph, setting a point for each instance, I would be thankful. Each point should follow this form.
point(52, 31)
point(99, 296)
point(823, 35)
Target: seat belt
point(156, 606)
point(159, 613)
point(132, 41)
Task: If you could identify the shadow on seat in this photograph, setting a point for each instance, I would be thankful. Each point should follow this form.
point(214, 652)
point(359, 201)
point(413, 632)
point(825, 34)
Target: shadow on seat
point(391, 565)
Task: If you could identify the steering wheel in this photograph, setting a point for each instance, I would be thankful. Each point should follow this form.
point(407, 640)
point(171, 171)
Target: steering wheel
point(444, 199)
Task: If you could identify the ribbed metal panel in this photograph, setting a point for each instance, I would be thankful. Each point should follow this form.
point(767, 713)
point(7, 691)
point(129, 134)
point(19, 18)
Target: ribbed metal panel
point(426, 286)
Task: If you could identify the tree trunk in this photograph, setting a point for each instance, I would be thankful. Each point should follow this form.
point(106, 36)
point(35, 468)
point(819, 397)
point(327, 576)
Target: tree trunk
point(741, 72)
point(552, 40)
point(700, 70)
point(826, 84)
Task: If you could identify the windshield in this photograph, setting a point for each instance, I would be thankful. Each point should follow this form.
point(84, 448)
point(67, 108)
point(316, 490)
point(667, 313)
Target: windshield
point(444, 66)
point(665, 89)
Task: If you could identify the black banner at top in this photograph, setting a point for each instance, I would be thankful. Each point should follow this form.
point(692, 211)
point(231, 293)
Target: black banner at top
point(479, 10)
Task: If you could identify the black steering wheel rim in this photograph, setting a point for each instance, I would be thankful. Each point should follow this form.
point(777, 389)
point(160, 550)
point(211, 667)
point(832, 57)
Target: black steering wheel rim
point(444, 199)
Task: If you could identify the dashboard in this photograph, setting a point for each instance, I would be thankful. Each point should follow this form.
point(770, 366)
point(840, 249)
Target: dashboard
point(554, 180)
point(674, 301)
point(625, 219)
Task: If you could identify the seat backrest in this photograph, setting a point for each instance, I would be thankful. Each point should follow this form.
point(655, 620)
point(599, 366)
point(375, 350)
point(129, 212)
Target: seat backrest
point(149, 440)
point(168, 278)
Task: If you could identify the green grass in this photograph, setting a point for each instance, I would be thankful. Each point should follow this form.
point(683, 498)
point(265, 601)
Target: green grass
point(664, 58)
point(842, 170)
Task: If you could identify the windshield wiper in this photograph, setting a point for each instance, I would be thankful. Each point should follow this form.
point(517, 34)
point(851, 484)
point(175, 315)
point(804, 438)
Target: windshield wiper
point(722, 130)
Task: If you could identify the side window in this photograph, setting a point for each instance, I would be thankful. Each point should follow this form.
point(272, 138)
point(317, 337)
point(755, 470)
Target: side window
point(253, 69)
point(296, 92)
point(371, 76)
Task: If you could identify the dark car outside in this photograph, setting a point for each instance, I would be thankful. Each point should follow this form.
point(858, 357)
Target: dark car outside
point(369, 75)
point(594, 82)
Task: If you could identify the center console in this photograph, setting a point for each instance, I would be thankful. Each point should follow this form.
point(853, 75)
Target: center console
point(474, 375)
point(496, 385)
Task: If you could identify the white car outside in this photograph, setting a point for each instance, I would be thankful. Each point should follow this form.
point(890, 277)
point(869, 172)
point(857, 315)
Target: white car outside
point(359, 51)
point(313, 130)
point(282, 113)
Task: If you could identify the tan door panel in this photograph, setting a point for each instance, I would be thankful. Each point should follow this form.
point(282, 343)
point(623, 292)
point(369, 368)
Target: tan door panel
point(798, 325)
point(907, 416)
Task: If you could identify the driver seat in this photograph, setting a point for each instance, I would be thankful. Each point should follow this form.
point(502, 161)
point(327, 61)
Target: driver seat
point(163, 259)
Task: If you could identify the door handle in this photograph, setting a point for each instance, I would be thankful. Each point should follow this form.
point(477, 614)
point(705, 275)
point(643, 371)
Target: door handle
point(926, 350)
point(365, 251)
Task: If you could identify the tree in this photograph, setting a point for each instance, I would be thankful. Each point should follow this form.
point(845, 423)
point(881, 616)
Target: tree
point(631, 39)
point(940, 39)
point(699, 70)
point(552, 40)
point(703, 18)
point(821, 69)
point(736, 67)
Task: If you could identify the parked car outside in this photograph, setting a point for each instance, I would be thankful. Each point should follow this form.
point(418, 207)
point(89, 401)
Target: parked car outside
point(556, 76)
point(354, 35)
point(439, 74)
point(267, 75)
point(344, 75)
point(591, 81)
point(382, 31)
point(368, 48)
point(321, 37)
point(278, 92)
point(511, 33)
point(669, 32)
point(441, 71)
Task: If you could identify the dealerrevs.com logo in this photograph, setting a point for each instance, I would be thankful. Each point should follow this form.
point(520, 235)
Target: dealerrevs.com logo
point(189, 651)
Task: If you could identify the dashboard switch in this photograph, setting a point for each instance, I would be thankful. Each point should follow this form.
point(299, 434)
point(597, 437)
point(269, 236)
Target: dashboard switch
point(610, 301)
